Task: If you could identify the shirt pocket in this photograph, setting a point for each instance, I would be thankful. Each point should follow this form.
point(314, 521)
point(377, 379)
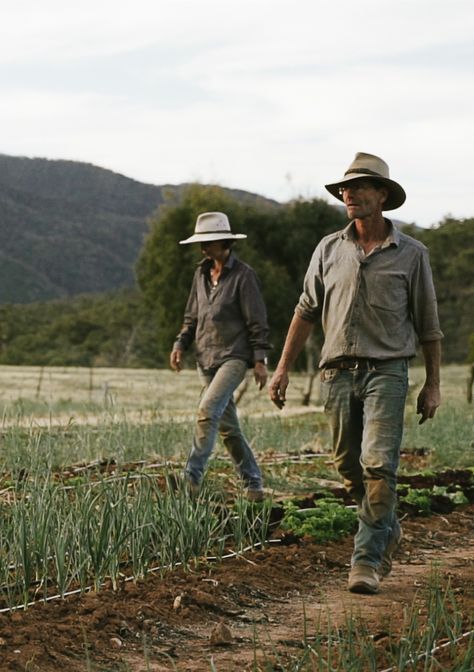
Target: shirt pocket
point(387, 302)
point(387, 291)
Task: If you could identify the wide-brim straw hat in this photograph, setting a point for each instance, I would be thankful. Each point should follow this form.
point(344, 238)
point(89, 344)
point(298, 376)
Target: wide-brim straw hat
point(212, 226)
point(373, 167)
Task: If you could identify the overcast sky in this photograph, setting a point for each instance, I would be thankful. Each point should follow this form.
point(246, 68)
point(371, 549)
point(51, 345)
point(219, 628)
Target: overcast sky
point(272, 96)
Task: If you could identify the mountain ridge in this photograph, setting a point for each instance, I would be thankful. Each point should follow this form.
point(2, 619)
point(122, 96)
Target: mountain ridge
point(69, 227)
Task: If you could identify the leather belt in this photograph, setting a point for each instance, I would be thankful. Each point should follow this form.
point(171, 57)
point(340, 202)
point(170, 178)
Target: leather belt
point(351, 363)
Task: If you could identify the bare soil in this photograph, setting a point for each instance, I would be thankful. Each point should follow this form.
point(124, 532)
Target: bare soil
point(240, 614)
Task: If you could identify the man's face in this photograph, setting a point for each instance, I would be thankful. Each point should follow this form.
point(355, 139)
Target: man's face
point(363, 198)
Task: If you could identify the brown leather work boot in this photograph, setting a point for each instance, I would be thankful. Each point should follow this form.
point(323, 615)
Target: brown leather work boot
point(363, 579)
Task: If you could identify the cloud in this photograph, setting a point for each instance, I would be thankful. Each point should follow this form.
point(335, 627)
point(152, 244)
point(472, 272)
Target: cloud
point(271, 96)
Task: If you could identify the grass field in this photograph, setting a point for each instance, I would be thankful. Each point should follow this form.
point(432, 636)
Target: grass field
point(144, 414)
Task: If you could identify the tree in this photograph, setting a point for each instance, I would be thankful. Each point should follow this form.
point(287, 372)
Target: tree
point(451, 248)
point(280, 242)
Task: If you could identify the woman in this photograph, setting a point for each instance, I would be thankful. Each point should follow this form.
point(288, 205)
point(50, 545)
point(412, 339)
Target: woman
point(226, 318)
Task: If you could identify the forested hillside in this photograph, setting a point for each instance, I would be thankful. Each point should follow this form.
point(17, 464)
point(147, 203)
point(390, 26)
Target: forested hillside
point(68, 228)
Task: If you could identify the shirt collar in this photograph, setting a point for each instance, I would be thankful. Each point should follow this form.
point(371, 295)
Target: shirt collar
point(393, 236)
point(206, 264)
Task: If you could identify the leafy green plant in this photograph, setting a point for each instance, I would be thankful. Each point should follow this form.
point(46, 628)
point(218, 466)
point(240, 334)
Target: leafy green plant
point(422, 498)
point(328, 520)
point(456, 496)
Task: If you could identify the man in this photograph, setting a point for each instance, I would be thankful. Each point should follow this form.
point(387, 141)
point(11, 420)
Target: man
point(225, 315)
point(371, 287)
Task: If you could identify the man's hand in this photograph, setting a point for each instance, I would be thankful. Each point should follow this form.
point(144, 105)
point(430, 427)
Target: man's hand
point(429, 398)
point(260, 374)
point(428, 401)
point(296, 337)
point(176, 359)
point(278, 385)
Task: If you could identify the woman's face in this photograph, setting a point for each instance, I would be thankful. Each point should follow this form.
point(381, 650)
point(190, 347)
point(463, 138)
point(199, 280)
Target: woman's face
point(214, 249)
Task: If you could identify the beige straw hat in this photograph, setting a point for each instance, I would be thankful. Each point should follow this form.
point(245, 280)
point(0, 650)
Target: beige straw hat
point(375, 168)
point(212, 226)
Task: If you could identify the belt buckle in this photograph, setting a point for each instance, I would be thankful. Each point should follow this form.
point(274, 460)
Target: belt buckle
point(356, 366)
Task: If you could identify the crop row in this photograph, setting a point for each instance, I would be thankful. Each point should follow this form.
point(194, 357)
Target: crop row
point(54, 539)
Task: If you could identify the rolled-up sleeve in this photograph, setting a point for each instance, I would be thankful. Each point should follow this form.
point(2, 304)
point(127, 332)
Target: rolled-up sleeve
point(310, 303)
point(424, 306)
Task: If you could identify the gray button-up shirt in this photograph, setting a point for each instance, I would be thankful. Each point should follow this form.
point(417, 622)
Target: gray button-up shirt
point(227, 321)
point(372, 306)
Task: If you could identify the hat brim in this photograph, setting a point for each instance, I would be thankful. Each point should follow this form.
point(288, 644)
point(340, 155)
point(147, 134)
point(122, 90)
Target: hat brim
point(209, 237)
point(396, 194)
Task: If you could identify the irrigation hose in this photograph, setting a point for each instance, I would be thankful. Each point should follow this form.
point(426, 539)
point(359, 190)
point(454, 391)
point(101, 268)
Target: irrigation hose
point(470, 633)
point(153, 570)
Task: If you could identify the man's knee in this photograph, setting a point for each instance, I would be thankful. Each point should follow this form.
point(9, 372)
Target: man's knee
point(380, 497)
point(207, 413)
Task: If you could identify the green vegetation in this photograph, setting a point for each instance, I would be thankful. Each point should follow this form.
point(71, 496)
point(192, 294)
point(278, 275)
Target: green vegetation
point(450, 432)
point(90, 465)
point(470, 355)
point(329, 520)
point(451, 246)
point(104, 330)
point(77, 414)
point(421, 499)
point(57, 538)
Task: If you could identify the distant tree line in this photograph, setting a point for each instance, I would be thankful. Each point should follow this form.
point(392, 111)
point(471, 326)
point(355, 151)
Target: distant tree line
point(91, 330)
point(137, 327)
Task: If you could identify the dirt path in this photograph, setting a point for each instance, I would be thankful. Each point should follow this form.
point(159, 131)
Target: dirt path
point(263, 599)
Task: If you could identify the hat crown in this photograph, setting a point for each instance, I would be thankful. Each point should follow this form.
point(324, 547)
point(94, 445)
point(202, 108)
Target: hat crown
point(212, 222)
point(368, 164)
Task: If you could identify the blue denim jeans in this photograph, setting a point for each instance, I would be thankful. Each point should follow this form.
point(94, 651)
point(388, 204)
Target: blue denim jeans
point(217, 413)
point(365, 408)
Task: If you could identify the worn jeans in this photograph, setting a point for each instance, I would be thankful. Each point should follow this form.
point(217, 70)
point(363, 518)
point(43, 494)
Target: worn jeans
point(217, 413)
point(365, 408)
